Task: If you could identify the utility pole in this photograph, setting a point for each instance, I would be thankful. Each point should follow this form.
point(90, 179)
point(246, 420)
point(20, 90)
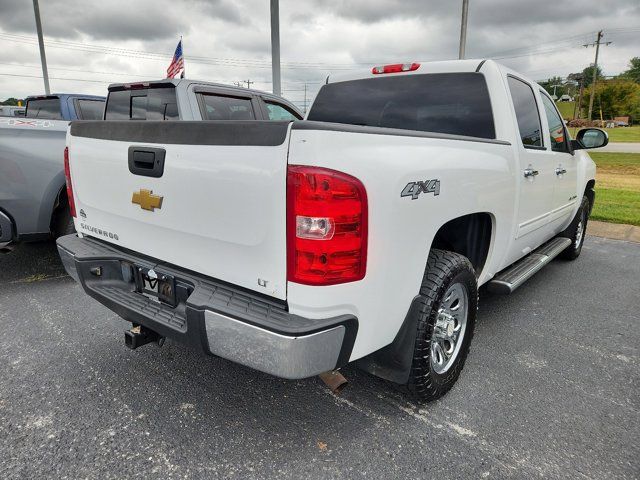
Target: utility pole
point(275, 47)
point(305, 99)
point(249, 82)
point(43, 58)
point(463, 28)
point(595, 70)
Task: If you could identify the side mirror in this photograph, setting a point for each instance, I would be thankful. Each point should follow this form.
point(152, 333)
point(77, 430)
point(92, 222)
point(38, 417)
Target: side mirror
point(590, 138)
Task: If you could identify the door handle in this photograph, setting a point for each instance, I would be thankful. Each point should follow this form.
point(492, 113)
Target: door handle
point(530, 173)
point(146, 161)
point(560, 170)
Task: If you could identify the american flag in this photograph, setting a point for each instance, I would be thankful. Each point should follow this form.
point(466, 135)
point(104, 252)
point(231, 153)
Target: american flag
point(177, 63)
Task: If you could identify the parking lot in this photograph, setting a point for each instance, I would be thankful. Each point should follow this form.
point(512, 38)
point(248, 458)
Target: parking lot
point(550, 389)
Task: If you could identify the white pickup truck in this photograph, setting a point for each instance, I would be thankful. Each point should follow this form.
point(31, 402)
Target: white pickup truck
point(361, 233)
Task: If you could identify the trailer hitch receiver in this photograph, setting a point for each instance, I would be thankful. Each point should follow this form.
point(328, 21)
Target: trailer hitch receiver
point(138, 336)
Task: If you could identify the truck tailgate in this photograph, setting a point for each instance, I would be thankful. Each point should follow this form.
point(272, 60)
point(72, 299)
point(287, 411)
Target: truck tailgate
point(217, 207)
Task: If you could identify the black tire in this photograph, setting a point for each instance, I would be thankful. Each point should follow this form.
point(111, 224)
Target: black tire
point(63, 223)
point(577, 231)
point(444, 270)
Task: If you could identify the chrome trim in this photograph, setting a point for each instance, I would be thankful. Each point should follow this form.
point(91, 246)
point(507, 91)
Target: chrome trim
point(507, 282)
point(270, 352)
point(530, 172)
point(450, 328)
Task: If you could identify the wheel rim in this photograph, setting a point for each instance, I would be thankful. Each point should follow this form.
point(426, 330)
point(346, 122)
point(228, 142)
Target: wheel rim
point(449, 329)
point(579, 231)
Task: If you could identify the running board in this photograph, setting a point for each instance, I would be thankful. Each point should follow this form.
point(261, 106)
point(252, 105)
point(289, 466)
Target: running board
point(512, 277)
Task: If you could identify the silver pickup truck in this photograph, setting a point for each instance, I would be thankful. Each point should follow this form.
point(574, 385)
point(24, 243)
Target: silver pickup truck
point(33, 202)
point(33, 197)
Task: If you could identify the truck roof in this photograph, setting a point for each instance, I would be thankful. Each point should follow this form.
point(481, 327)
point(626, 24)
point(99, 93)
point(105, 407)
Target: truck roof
point(63, 96)
point(180, 82)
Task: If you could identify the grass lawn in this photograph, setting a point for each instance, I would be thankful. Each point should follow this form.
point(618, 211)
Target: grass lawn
point(617, 187)
point(566, 109)
point(620, 134)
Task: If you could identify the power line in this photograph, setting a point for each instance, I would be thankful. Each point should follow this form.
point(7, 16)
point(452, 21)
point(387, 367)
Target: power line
point(162, 56)
point(55, 78)
point(149, 75)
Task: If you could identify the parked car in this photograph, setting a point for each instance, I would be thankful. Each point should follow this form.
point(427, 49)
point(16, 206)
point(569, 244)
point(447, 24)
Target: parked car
point(11, 111)
point(33, 202)
point(359, 235)
point(33, 209)
point(566, 98)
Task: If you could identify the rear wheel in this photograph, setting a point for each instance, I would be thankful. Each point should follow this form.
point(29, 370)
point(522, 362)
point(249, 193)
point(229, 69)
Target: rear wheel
point(577, 231)
point(63, 223)
point(445, 322)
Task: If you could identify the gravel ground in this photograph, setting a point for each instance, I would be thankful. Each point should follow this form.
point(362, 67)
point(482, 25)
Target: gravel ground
point(550, 389)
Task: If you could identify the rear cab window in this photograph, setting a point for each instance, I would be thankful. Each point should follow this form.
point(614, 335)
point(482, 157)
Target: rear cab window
point(215, 106)
point(156, 102)
point(451, 103)
point(277, 111)
point(48, 108)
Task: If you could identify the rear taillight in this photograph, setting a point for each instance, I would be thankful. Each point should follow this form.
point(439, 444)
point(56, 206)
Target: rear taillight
point(395, 68)
point(67, 177)
point(326, 226)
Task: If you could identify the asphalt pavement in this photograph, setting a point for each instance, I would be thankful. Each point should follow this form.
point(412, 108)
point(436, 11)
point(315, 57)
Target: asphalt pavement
point(551, 389)
point(623, 147)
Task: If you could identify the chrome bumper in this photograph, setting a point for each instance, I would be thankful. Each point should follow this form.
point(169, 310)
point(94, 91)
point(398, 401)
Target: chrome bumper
point(270, 352)
point(231, 323)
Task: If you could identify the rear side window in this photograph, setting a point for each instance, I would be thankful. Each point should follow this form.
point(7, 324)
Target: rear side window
point(280, 112)
point(453, 103)
point(44, 108)
point(222, 107)
point(526, 112)
point(90, 109)
point(142, 104)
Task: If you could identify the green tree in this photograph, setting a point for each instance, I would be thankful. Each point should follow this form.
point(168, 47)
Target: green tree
point(11, 101)
point(616, 97)
point(633, 73)
point(587, 75)
point(548, 86)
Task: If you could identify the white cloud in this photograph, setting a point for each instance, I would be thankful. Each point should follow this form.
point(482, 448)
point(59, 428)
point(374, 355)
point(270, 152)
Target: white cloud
point(317, 37)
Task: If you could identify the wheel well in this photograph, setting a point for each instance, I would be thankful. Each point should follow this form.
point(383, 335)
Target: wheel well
point(469, 235)
point(58, 207)
point(590, 193)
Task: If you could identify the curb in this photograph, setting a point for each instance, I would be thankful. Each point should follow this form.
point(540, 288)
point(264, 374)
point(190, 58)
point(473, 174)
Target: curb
point(616, 231)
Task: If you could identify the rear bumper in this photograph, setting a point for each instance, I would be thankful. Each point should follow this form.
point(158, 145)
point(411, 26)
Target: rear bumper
point(211, 315)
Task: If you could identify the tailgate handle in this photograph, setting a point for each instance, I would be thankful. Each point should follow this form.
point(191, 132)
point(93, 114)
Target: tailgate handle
point(146, 161)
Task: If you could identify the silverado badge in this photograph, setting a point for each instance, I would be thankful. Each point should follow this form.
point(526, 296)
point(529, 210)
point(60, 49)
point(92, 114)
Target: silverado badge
point(147, 200)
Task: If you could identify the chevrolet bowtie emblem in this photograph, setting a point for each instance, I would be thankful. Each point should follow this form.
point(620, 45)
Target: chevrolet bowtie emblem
point(147, 200)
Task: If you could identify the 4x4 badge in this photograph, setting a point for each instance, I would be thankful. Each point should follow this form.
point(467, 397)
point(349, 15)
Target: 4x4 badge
point(147, 200)
point(414, 189)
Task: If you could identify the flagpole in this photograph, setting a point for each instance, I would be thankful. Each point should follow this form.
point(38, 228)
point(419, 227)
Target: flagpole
point(184, 62)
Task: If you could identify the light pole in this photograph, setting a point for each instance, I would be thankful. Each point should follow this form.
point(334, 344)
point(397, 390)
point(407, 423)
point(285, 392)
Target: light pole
point(463, 28)
point(275, 47)
point(43, 58)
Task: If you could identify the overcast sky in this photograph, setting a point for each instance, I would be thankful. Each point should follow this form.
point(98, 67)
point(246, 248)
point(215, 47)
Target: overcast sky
point(90, 44)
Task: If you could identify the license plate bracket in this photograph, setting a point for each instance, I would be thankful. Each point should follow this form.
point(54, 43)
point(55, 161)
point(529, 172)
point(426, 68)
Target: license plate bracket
point(156, 285)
